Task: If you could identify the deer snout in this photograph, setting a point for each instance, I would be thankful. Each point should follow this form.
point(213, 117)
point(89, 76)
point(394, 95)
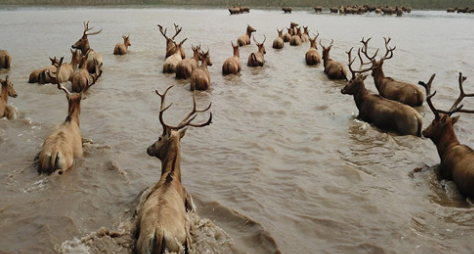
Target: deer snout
point(151, 150)
point(344, 91)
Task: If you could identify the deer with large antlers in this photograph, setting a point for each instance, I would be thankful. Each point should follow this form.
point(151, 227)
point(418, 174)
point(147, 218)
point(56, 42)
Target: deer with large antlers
point(162, 222)
point(64, 144)
point(200, 78)
point(389, 88)
point(7, 91)
point(170, 43)
point(258, 58)
point(122, 48)
point(457, 160)
point(383, 113)
point(312, 56)
point(232, 64)
point(245, 39)
point(332, 68)
point(5, 59)
point(172, 61)
point(185, 67)
point(83, 45)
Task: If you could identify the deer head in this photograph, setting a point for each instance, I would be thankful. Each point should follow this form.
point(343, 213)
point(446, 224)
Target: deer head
point(126, 40)
point(171, 135)
point(261, 46)
point(83, 42)
point(10, 90)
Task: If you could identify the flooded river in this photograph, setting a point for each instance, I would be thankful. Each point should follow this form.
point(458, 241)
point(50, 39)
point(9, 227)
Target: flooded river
point(285, 167)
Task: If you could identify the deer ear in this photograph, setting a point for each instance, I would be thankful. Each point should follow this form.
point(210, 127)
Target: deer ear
point(182, 132)
point(454, 119)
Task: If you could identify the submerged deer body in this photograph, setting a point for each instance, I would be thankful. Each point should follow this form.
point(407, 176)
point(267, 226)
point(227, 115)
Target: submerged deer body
point(457, 160)
point(5, 59)
point(245, 39)
point(170, 43)
point(64, 144)
point(81, 79)
point(185, 67)
point(332, 68)
point(83, 45)
point(200, 78)
point(278, 43)
point(162, 221)
point(68, 69)
point(388, 87)
point(7, 91)
point(312, 56)
point(172, 61)
point(383, 113)
point(121, 48)
point(40, 75)
point(232, 64)
point(258, 58)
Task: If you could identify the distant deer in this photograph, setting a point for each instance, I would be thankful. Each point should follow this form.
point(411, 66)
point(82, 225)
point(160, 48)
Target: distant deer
point(83, 45)
point(64, 144)
point(278, 43)
point(332, 68)
point(287, 36)
point(200, 78)
point(245, 39)
point(258, 58)
point(389, 88)
point(286, 9)
point(185, 67)
point(170, 43)
point(172, 61)
point(457, 160)
point(121, 48)
point(232, 64)
point(5, 59)
point(383, 113)
point(312, 55)
point(7, 91)
point(304, 36)
point(40, 75)
point(162, 221)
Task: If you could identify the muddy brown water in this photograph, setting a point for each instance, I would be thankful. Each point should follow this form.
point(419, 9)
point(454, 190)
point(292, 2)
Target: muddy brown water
point(285, 167)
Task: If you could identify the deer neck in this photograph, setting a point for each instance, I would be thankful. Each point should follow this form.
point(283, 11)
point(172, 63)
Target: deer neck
point(74, 108)
point(85, 49)
point(360, 95)
point(378, 75)
point(170, 166)
point(236, 52)
point(446, 141)
point(4, 95)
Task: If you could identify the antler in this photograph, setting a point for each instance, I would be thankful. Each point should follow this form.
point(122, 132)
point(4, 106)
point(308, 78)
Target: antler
point(95, 76)
point(177, 30)
point(455, 108)
point(330, 45)
point(86, 28)
point(161, 31)
point(351, 61)
point(387, 49)
point(264, 39)
point(187, 121)
point(366, 46)
point(427, 87)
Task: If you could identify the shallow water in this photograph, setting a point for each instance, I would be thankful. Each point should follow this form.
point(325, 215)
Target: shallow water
point(285, 166)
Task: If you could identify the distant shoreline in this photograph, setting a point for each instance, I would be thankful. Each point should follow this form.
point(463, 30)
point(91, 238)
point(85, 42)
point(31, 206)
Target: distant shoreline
point(262, 4)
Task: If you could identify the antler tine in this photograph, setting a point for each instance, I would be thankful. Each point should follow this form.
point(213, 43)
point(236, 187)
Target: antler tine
point(427, 87)
point(60, 87)
point(264, 38)
point(187, 121)
point(163, 108)
point(177, 30)
point(351, 61)
point(316, 35)
point(365, 49)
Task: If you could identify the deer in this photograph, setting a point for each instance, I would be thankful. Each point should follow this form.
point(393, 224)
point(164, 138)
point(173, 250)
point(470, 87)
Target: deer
point(286, 9)
point(287, 35)
point(40, 75)
point(82, 79)
point(232, 64)
point(245, 39)
point(312, 56)
point(7, 91)
point(381, 112)
point(278, 43)
point(172, 61)
point(68, 69)
point(64, 144)
point(333, 69)
point(388, 87)
point(162, 221)
point(83, 45)
point(5, 59)
point(121, 48)
point(457, 160)
point(296, 38)
point(258, 58)
point(200, 78)
point(170, 44)
point(304, 36)
point(185, 68)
